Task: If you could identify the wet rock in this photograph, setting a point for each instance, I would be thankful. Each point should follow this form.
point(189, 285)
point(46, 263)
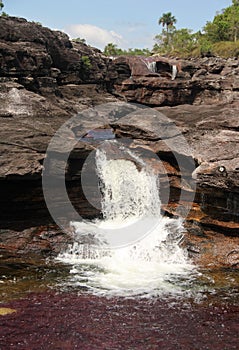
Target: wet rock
point(213, 249)
point(33, 242)
point(206, 131)
point(212, 133)
point(45, 79)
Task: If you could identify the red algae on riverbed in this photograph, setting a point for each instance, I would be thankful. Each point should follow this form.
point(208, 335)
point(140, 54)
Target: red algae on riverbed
point(66, 321)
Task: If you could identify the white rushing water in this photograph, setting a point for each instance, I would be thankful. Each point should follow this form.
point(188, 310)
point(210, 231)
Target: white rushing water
point(18, 103)
point(133, 250)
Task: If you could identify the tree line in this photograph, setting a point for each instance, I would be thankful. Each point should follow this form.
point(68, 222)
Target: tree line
point(219, 37)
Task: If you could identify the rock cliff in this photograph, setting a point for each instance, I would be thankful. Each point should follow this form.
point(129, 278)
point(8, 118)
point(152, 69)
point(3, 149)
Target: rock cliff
point(199, 81)
point(45, 79)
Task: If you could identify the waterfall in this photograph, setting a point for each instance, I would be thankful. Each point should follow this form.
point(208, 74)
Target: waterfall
point(152, 260)
point(152, 66)
point(174, 72)
point(17, 103)
point(127, 192)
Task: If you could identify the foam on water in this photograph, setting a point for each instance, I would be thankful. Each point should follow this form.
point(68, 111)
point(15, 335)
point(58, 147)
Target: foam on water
point(152, 262)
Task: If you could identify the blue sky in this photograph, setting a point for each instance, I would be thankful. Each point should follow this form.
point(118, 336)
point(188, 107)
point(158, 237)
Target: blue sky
point(131, 23)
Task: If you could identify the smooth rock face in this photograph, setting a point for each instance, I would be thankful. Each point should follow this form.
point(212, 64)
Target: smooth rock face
point(44, 81)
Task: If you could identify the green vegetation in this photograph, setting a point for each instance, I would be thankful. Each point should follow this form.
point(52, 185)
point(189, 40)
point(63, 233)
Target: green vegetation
point(225, 26)
point(113, 50)
point(175, 42)
point(86, 63)
point(219, 37)
point(4, 14)
point(167, 20)
point(79, 40)
point(226, 49)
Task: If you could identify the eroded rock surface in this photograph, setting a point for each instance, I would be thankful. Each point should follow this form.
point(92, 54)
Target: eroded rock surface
point(45, 80)
point(212, 132)
point(198, 81)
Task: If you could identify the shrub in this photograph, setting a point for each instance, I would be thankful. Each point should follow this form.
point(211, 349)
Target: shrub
point(86, 63)
point(226, 49)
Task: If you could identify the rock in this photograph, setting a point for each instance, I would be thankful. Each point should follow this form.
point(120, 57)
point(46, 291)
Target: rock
point(45, 79)
point(212, 132)
point(212, 249)
point(6, 311)
point(35, 242)
point(38, 67)
point(201, 81)
point(199, 73)
point(32, 54)
point(41, 76)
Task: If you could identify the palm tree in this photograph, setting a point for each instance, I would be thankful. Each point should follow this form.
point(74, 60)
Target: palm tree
point(1, 5)
point(168, 20)
point(111, 49)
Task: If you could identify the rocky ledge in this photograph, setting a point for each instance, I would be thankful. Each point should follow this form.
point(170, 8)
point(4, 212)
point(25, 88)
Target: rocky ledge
point(45, 79)
point(210, 80)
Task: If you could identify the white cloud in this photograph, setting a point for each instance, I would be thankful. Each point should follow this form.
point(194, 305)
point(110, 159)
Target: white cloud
point(95, 36)
point(144, 41)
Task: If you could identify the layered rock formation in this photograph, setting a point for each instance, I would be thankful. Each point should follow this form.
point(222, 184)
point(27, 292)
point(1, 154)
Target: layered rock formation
point(199, 81)
point(203, 103)
point(45, 79)
point(212, 132)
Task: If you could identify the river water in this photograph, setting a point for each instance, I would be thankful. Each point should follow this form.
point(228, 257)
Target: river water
point(133, 250)
point(125, 283)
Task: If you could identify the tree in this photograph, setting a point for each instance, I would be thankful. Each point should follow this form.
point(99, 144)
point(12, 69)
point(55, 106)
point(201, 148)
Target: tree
point(234, 17)
point(182, 42)
point(168, 20)
point(1, 5)
point(162, 43)
point(218, 30)
point(111, 50)
point(235, 2)
point(137, 52)
point(225, 25)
